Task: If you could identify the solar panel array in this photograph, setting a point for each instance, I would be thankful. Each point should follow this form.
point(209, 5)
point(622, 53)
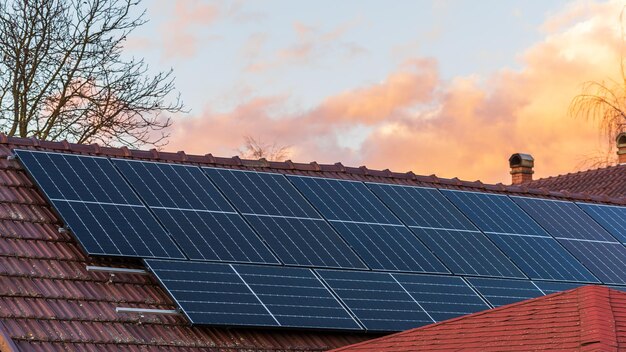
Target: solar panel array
point(245, 248)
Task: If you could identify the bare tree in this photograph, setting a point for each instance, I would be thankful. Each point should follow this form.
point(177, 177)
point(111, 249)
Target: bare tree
point(255, 148)
point(604, 102)
point(62, 75)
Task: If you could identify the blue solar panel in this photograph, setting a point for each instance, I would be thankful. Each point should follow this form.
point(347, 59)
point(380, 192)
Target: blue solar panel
point(343, 200)
point(389, 247)
point(172, 186)
point(204, 235)
point(377, 300)
point(194, 212)
point(442, 297)
point(563, 219)
point(605, 260)
point(423, 207)
point(98, 206)
point(211, 293)
point(612, 218)
point(494, 213)
point(468, 253)
point(542, 258)
point(499, 292)
point(296, 297)
point(310, 242)
point(549, 287)
point(261, 193)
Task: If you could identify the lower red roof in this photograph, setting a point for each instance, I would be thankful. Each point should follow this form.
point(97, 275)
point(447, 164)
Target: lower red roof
point(589, 318)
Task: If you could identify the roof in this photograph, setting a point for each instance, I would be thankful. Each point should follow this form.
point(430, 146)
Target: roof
point(51, 302)
point(589, 318)
point(608, 181)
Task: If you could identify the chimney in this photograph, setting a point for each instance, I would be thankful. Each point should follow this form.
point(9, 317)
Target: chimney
point(522, 167)
point(621, 148)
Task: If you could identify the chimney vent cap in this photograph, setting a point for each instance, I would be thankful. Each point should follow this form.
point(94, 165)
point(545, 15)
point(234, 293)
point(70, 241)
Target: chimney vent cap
point(522, 160)
point(621, 140)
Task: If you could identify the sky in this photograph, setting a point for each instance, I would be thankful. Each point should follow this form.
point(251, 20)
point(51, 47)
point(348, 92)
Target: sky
point(450, 88)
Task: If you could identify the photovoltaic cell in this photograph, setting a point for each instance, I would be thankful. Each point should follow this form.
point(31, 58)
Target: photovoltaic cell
point(211, 293)
point(612, 218)
point(442, 297)
point(296, 297)
point(261, 193)
point(389, 247)
point(423, 207)
point(98, 206)
point(172, 186)
point(606, 260)
point(377, 300)
point(563, 219)
point(494, 213)
point(499, 292)
point(310, 242)
point(218, 236)
point(542, 258)
point(468, 253)
point(343, 200)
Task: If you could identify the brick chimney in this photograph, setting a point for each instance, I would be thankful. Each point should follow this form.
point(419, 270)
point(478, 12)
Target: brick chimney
point(522, 167)
point(621, 148)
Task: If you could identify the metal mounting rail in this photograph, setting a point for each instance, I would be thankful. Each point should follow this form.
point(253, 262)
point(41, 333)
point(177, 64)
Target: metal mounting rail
point(146, 311)
point(113, 270)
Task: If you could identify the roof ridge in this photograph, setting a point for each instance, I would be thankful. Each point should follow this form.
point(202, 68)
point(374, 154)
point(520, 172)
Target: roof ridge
point(182, 157)
point(595, 308)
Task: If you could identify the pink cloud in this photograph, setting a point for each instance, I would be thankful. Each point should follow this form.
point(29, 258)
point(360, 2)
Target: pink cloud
point(415, 121)
point(182, 32)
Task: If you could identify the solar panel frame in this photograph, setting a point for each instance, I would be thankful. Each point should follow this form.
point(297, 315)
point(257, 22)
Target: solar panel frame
point(231, 295)
point(140, 235)
point(563, 219)
point(389, 247)
point(421, 206)
point(468, 253)
point(266, 194)
point(431, 291)
point(499, 292)
point(307, 242)
point(365, 294)
point(611, 218)
point(343, 200)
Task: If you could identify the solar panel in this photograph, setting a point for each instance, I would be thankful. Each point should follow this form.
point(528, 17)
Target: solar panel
point(310, 242)
point(499, 292)
point(612, 218)
point(248, 295)
point(172, 186)
point(494, 213)
point(389, 247)
point(563, 219)
point(423, 207)
point(606, 260)
point(377, 300)
point(296, 297)
point(98, 206)
point(343, 200)
point(204, 235)
point(443, 297)
point(211, 293)
point(549, 287)
point(194, 212)
point(261, 193)
point(468, 253)
point(542, 258)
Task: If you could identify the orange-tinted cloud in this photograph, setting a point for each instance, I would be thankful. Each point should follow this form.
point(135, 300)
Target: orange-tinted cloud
point(467, 127)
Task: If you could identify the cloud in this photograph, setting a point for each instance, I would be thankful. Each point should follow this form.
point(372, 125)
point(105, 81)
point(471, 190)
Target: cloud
point(413, 120)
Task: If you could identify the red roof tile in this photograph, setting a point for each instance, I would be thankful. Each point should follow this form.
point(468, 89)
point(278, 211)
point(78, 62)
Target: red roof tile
point(589, 318)
point(609, 181)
